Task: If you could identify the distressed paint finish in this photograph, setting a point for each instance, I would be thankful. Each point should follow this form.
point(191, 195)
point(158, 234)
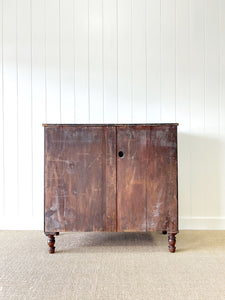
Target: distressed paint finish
point(110, 138)
point(54, 186)
point(89, 187)
point(79, 191)
point(131, 178)
point(162, 203)
point(147, 178)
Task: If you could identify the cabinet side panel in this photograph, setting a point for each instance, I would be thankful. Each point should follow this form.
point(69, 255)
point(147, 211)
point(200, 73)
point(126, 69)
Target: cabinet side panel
point(162, 202)
point(131, 179)
point(54, 200)
point(110, 138)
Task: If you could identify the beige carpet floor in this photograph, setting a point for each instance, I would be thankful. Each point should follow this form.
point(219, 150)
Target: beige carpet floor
point(89, 266)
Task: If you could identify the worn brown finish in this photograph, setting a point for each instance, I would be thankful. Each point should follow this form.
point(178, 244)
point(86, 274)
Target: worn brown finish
point(131, 178)
point(80, 192)
point(54, 208)
point(162, 179)
point(111, 178)
point(110, 173)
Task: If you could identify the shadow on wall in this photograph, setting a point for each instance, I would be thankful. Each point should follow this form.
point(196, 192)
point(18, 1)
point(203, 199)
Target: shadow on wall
point(201, 178)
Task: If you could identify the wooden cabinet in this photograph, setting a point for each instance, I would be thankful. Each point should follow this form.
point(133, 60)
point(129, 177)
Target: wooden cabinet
point(111, 178)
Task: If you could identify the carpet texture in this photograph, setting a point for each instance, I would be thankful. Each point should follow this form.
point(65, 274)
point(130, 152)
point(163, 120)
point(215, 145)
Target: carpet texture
point(117, 266)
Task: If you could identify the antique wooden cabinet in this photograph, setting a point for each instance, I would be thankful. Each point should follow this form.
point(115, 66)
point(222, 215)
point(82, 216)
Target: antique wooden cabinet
point(110, 177)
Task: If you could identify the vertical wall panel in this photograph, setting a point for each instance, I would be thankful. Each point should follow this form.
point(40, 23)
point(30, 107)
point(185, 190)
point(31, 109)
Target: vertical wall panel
point(67, 60)
point(125, 64)
point(212, 66)
point(53, 61)
point(153, 47)
point(222, 103)
point(139, 60)
point(168, 39)
point(183, 102)
point(197, 48)
point(1, 115)
point(110, 60)
point(96, 61)
point(24, 128)
point(10, 107)
point(197, 94)
point(222, 67)
point(81, 39)
point(213, 149)
point(38, 105)
point(183, 63)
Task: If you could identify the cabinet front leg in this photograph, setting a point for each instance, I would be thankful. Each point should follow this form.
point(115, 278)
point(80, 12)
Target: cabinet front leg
point(172, 242)
point(51, 242)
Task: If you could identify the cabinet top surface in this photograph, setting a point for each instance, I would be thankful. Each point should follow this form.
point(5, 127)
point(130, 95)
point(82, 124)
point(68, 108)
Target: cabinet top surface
point(107, 125)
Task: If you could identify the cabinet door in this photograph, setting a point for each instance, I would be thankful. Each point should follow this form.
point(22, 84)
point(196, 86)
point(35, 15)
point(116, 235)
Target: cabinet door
point(147, 178)
point(80, 178)
point(131, 178)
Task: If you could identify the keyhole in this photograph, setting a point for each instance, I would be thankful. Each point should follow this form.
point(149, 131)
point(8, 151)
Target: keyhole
point(120, 153)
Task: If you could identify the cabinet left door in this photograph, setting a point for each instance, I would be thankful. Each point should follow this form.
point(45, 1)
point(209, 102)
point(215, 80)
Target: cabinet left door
point(80, 178)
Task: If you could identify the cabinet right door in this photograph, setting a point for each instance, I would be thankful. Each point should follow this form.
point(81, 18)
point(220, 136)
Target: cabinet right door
point(147, 178)
point(162, 195)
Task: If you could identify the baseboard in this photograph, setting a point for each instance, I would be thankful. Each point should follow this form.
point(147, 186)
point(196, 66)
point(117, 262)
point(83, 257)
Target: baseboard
point(21, 223)
point(202, 223)
point(191, 223)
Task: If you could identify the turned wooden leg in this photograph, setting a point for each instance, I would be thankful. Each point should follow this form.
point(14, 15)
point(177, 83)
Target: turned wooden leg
point(172, 242)
point(164, 232)
point(51, 242)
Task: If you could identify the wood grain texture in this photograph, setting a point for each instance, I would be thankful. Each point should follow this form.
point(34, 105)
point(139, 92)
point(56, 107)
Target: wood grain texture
point(78, 162)
point(111, 178)
point(162, 204)
point(110, 139)
point(131, 178)
point(90, 187)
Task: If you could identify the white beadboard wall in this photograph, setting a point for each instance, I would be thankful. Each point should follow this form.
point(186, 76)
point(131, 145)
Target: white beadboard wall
point(110, 61)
